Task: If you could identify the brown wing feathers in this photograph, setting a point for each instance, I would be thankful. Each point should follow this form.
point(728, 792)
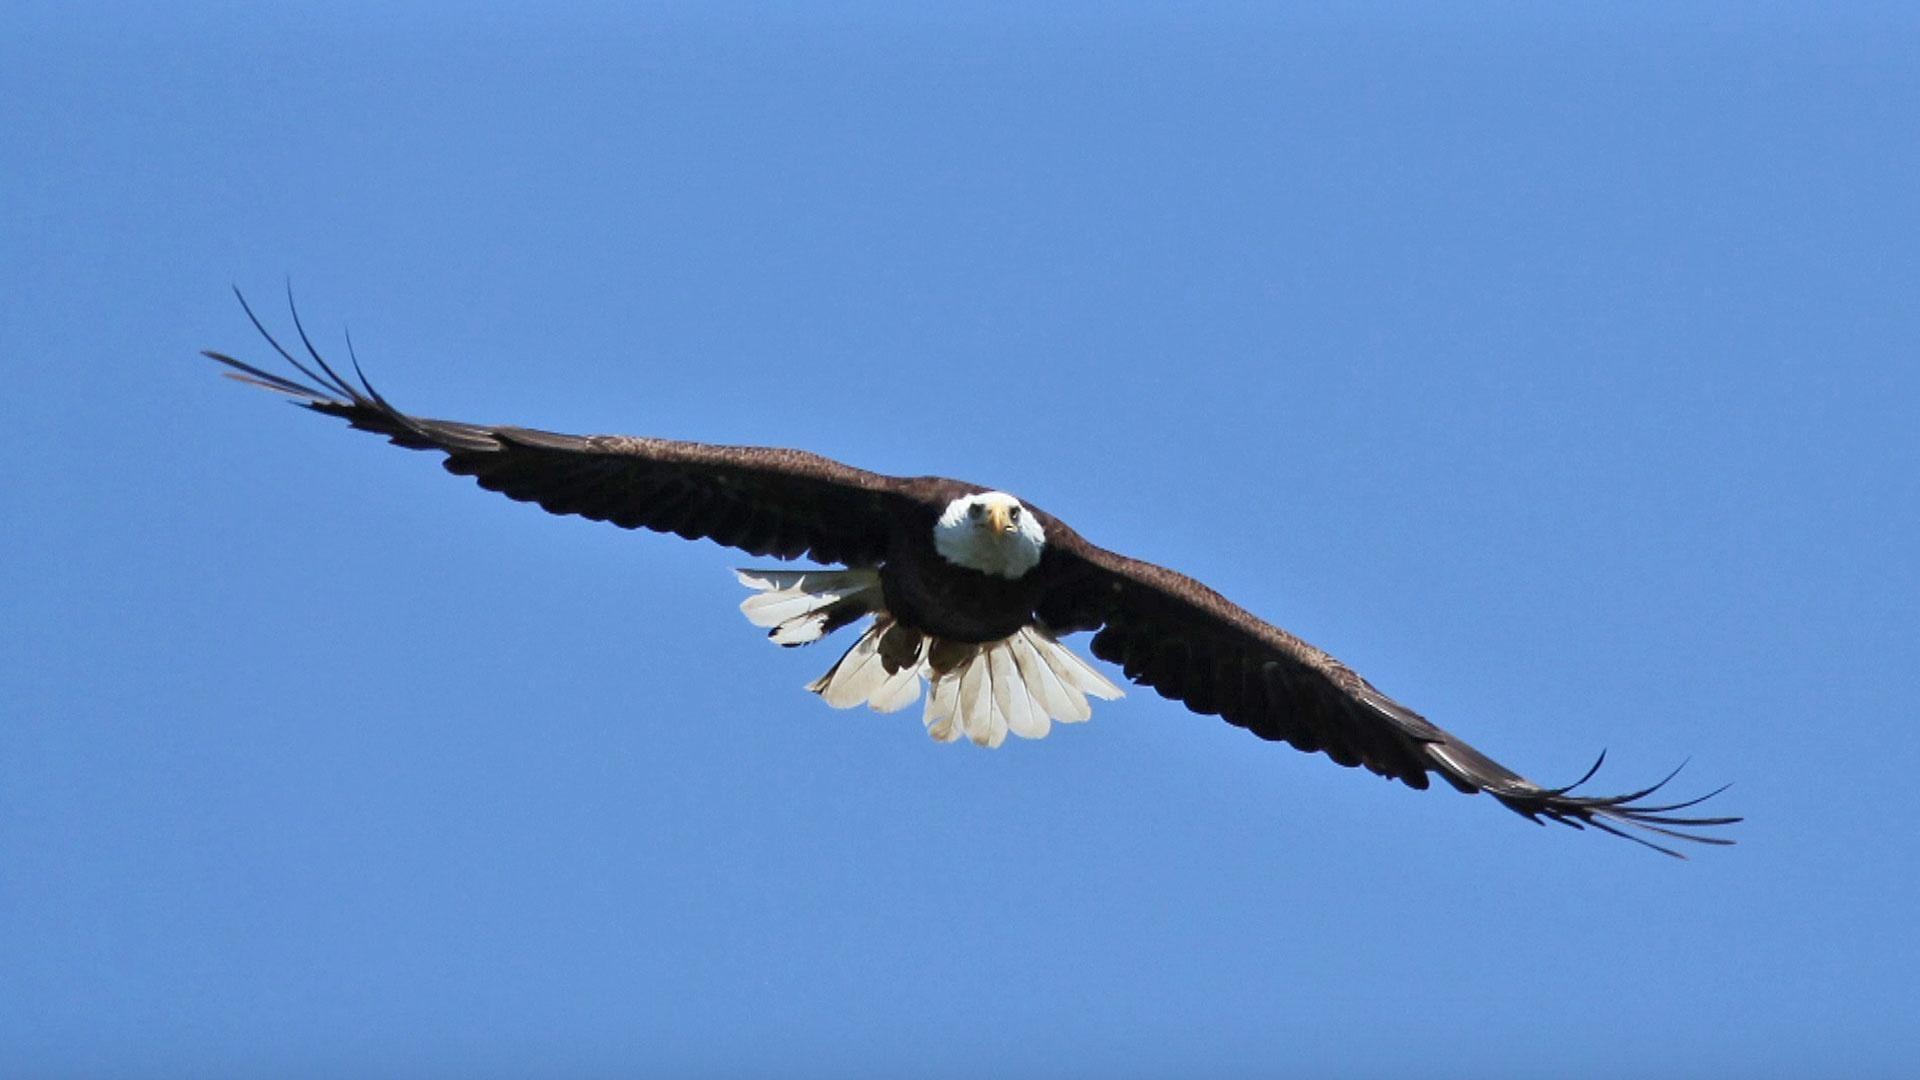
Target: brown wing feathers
point(783, 503)
point(1190, 644)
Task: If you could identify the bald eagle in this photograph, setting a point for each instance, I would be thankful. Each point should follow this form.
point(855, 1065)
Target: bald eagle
point(966, 591)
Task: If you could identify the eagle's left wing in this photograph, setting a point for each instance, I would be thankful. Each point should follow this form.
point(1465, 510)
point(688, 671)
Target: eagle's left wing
point(763, 500)
point(1172, 633)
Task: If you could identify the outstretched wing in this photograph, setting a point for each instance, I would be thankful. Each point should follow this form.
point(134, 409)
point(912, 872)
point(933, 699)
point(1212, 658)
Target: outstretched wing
point(1191, 644)
point(784, 503)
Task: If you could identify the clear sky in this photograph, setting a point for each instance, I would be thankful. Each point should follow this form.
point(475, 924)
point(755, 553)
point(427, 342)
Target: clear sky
point(1559, 372)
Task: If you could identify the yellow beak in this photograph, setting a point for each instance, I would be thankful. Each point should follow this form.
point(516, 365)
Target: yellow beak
point(999, 517)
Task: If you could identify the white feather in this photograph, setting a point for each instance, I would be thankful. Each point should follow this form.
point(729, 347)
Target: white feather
point(774, 608)
point(900, 688)
point(858, 674)
point(1060, 701)
point(982, 722)
point(942, 699)
point(1075, 671)
point(1063, 670)
point(1025, 717)
point(966, 704)
point(786, 595)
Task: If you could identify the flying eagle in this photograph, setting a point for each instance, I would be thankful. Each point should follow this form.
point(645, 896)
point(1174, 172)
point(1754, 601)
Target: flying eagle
point(967, 590)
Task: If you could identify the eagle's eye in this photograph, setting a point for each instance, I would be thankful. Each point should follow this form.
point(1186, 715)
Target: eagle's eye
point(976, 511)
point(1013, 513)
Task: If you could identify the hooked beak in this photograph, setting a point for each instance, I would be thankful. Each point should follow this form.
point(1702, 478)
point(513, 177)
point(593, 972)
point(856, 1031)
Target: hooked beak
point(1000, 519)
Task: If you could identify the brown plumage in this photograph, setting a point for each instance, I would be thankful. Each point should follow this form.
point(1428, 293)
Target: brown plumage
point(1164, 629)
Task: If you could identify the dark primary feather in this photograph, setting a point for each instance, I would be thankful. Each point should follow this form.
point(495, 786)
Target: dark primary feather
point(1193, 645)
point(1165, 630)
point(766, 501)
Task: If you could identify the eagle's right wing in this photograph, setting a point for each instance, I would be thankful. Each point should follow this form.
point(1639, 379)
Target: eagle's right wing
point(763, 500)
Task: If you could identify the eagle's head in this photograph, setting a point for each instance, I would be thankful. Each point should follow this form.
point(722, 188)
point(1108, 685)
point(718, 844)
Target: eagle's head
point(990, 532)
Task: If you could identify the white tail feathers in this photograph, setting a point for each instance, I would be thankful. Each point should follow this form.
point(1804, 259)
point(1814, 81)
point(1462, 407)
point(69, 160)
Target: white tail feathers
point(1019, 684)
point(878, 672)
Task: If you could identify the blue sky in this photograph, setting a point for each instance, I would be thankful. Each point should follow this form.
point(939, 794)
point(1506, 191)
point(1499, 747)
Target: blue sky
point(1558, 372)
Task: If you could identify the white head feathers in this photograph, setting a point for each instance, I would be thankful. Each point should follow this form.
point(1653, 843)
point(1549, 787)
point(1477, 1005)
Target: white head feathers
point(990, 532)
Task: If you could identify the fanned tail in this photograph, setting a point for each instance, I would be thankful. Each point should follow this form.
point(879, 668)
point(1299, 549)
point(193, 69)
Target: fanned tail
point(1020, 684)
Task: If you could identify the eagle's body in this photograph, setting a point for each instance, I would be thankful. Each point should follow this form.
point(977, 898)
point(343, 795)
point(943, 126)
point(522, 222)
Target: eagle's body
point(966, 591)
point(930, 592)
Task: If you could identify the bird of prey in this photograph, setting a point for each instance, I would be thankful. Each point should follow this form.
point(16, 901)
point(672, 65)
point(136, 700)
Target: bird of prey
point(967, 590)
